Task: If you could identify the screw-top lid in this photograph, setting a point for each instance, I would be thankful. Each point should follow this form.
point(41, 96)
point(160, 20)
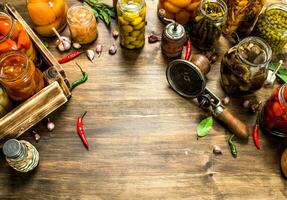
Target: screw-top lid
point(174, 31)
point(12, 148)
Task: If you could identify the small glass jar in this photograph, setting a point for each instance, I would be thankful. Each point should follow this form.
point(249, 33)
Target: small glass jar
point(244, 67)
point(14, 37)
point(82, 24)
point(19, 76)
point(47, 14)
point(242, 15)
point(179, 10)
point(272, 26)
point(207, 25)
point(132, 20)
point(273, 118)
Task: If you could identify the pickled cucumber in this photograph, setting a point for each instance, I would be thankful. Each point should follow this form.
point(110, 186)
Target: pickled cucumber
point(132, 24)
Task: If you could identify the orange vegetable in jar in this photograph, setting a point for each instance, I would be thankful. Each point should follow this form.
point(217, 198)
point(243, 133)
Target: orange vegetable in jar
point(47, 14)
point(14, 37)
point(181, 11)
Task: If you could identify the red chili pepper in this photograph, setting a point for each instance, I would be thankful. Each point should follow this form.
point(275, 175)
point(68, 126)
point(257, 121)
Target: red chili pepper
point(81, 130)
point(69, 57)
point(188, 49)
point(255, 136)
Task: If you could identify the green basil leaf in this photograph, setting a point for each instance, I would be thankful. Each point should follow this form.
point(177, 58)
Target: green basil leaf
point(283, 77)
point(204, 127)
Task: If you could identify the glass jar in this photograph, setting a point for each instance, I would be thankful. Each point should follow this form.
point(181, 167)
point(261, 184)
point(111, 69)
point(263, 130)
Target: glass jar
point(19, 76)
point(14, 37)
point(207, 25)
point(82, 24)
point(179, 10)
point(273, 118)
point(46, 14)
point(132, 20)
point(243, 14)
point(272, 26)
point(252, 13)
point(244, 67)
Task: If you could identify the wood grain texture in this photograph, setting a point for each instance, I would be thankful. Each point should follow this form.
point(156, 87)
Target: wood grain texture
point(142, 137)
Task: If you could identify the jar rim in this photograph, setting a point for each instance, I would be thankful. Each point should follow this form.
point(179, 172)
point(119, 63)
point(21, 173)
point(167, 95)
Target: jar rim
point(281, 95)
point(77, 6)
point(12, 26)
point(221, 3)
point(274, 6)
point(121, 4)
point(13, 53)
point(260, 41)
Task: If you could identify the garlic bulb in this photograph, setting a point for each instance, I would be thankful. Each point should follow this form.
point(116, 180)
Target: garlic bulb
point(64, 44)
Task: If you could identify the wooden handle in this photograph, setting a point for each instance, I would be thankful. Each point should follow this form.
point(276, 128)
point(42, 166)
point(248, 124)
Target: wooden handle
point(235, 125)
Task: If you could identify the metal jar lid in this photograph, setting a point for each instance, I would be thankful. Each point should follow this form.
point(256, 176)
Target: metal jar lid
point(174, 31)
point(12, 148)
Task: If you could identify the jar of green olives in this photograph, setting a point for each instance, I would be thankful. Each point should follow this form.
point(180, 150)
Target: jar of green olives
point(132, 20)
point(272, 26)
point(244, 67)
point(207, 25)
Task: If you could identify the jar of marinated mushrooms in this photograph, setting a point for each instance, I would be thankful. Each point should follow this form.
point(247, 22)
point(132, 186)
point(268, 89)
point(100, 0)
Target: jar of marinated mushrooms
point(132, 20)
point(207, 25)
point(272, 26)
point(244, 67)
point(242, 15)
point(82, 24)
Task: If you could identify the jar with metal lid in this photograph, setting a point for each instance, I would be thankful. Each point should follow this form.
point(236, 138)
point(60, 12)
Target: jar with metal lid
point(14, 37)
point(272, 26)
point(173, 40)
point(181, 11)
point(244, 67)
point(21, 155)
point(132, 21)
point(19, 76)
point(46, 15)
point(207, 25)
point(242, 15)
point(82, 24)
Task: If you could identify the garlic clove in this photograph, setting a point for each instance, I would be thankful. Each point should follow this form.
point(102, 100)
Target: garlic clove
point(90, 54)
point(77, 45)
point(99, 49)
point(113, 49)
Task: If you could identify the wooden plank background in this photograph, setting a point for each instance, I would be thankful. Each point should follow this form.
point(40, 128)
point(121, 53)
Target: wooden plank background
point(142, 137)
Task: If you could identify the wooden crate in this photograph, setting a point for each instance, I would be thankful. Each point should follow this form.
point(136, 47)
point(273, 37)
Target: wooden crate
point(54, 95)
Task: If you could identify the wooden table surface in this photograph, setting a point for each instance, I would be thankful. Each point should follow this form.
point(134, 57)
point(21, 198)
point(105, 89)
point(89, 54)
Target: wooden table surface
point(142, 136)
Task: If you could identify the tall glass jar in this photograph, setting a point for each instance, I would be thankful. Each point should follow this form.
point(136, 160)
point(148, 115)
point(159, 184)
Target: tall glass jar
point(14, 37)
point(243, 14)
point(82, 24)
point(273, 118)
point(46, 14)
point(244, 67)
point(207, 25)
point(272, 26)
point(179, 10)
point(19, 76)
point(132, 20)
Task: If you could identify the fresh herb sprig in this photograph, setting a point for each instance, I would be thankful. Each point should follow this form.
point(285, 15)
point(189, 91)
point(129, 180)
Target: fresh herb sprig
point(101, 10)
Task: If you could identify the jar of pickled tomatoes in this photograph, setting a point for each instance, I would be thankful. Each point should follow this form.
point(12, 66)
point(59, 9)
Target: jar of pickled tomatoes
point(273, 118)
point(19, 76)
point(46, 15)
point(179, 10)
point(14, 37)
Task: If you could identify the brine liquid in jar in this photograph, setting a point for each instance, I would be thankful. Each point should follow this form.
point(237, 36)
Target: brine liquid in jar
point(273, 118)
point(132, 20)
point(19, 76)
point(14, 37)
point(46, 15)
point(82, 24)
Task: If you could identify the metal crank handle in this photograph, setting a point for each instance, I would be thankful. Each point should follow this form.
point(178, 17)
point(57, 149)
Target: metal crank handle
point(236, 126)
